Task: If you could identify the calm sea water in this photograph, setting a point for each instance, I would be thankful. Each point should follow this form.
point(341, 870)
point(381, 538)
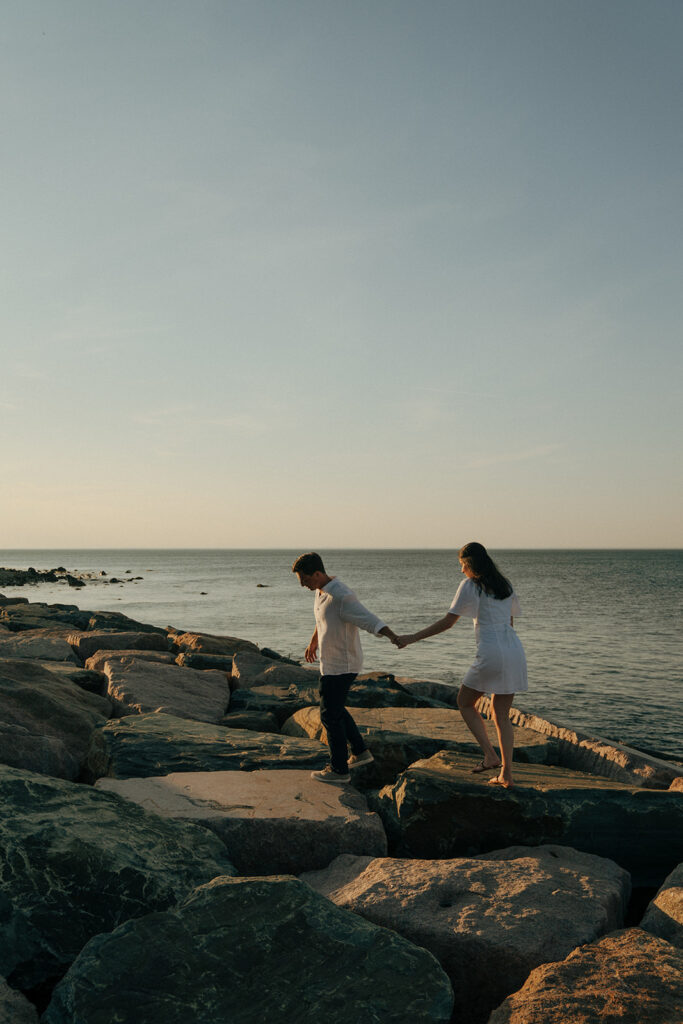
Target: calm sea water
point(601, 629)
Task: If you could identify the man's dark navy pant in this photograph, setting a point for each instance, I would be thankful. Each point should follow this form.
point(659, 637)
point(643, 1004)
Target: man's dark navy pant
point(340, 727)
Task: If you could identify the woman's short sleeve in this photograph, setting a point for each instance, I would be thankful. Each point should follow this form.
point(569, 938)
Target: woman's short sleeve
point(466, 600)
point(515, 607)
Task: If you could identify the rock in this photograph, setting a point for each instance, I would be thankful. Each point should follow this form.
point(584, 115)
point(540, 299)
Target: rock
point(222, 663)
point(15, 1008)
point(257, 721)
point(119, 623)
point(206, 643)
point(88, 644)
point(158, 744)
point(677, 785)
point(258, 702)
point(46, 721)
point(75, 862)
point(137, 686)
point(437, 808)
point(664, 916)
point(93, 682)
point(628, 977)
point(272, 822)
point(267, 652)
point(584, 753)
point(97, 661)
point(20, 617)
point(399, 736)
point(37, 644)
point(246, 950)
point(490, 921)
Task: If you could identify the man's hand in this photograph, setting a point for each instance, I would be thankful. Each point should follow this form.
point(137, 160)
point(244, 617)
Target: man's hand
point(403, 641)
point(312, 650)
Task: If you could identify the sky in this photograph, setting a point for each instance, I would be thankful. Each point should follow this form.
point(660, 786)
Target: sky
point(313, 274)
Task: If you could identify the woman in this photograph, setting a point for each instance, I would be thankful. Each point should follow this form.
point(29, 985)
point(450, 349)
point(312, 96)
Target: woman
point(500, 665)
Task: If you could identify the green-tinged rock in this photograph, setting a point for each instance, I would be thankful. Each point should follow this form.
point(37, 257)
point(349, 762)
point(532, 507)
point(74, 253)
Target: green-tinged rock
point(628, 977)
point(14, 1007)
point(46, 720)
point(248, 950)
point(155, 744)
point(75, 862)
point(438, 808)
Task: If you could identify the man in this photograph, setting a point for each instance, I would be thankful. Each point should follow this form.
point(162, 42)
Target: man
point(338, 616)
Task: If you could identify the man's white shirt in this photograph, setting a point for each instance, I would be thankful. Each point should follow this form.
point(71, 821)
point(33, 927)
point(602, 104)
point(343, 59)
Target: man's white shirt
point(338, 617)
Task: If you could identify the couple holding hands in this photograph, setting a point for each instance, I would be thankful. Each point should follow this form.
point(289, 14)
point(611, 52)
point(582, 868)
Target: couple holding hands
point(499, 668)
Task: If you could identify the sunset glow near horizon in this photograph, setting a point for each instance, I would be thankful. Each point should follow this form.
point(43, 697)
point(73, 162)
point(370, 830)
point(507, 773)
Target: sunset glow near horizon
point(327, 275)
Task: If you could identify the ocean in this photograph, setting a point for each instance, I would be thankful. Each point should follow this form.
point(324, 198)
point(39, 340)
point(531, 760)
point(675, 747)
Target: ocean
point(601, 629)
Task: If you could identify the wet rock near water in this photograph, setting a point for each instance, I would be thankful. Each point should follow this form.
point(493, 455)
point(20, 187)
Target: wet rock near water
point(138, 686)
point(628, 976)
point(158, 744)
point(489, 921)
point(75, 862)
point(271, 821)
point(247, 950)
point(664, 915)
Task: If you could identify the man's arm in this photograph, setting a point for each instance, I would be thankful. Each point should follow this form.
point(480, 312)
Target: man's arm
point(386, 631)
point(312, 649)
point(358, 615)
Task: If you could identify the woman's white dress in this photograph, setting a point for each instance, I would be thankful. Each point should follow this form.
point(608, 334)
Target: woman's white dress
point(500, 664)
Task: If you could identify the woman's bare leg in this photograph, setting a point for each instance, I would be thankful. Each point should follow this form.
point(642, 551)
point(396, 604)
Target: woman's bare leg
point(500, 705)
point(467, 698)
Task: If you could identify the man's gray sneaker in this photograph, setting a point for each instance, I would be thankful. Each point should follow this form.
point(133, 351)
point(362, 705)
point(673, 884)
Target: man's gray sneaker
point(356, 760)
point(328, 774)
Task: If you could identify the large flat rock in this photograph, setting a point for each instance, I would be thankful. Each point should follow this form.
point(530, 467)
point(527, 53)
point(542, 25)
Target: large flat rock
point(437, 808)
point(46, 720)
point(39, 645)
point(271, 822)
point(75, 862)
point(628, 977)
point(156, 744)
point(208, 643)
point(137, 686)
point(21, 615)
point(488, 921)
point(399, 736)
point(87, 644)
point(249, 950)
point(664, 915)
point(96, 661)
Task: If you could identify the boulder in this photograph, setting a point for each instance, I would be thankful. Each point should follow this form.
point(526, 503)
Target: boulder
point(222, 662)
point(156, 744)
point(664, 915)
point(488, 921)
point(46, 720)
point(438, 808)
point(37, 615)
point(272, 821)
point(118, 623)
point(87, 644)
point(206, 643)
point(14, 1007)
point(247, 950)
point(93, 682)
point(258, 702)
point(137, 686)
point(75, 862)
point(96, 661)
point(37, 644)
point(399, 736)
point(628, 977)
point(257, 721)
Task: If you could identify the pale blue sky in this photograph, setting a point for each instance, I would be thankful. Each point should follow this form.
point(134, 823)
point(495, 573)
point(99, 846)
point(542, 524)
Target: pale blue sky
point(326, 273)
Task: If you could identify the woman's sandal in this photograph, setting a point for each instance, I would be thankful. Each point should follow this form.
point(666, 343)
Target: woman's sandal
point(481, 767)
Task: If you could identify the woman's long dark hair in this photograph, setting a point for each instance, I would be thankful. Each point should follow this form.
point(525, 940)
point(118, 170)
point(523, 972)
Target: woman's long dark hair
point(484, 570)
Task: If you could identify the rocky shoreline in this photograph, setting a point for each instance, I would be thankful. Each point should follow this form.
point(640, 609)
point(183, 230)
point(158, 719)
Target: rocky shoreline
point(166, 857)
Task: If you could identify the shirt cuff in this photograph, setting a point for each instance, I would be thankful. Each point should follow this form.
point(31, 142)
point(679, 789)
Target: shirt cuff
point(380, 625)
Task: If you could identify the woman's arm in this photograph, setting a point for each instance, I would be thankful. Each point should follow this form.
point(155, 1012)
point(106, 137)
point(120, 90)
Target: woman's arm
point(440, 626)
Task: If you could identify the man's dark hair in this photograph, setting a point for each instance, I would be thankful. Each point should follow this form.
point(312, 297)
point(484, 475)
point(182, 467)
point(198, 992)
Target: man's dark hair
point(308, 564)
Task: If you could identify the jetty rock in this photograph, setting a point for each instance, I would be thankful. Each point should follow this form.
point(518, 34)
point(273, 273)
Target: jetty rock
point(75, 862)
point(628, 976)
point(87, 644)
point(664, 915)
point(46, 720)
point(14, 1007)
point(438, 808)
point(38, 645)
point(20, 615)
point(96, 661)
point(207, 643)
point(139, 746)
point(253, 949)
point(398, 736)
point(272, 822)
point(137, 686)
point(489, 921)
